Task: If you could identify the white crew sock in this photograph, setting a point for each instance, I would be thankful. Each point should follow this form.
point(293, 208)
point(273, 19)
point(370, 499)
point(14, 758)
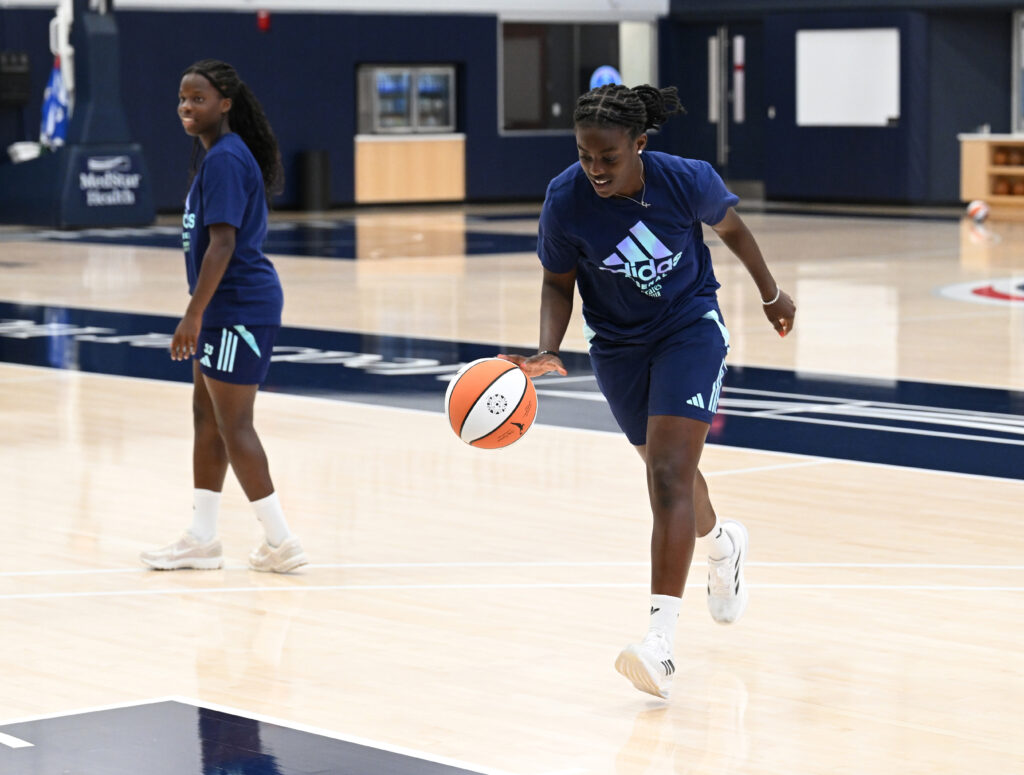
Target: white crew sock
point(269, 513)
point(664, 612)
point(205, 507)
point(717, 543)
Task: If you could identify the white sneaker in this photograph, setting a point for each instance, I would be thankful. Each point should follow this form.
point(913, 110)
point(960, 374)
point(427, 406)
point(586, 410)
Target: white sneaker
point(280, 559)
point(727, 589)
point(648, 665)
point(187, 552)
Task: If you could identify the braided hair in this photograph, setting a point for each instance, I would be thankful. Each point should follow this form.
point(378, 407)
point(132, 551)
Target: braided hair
point(248, 121)
point(636, 109)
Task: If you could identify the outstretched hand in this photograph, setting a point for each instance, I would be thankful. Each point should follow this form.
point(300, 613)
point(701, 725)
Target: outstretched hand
point(781, 313)
point(535, 365)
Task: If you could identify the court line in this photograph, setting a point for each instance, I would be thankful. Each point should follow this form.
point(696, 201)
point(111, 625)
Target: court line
point(14, 742)
point(478, 587)
point(776, 467)
point(539, 564)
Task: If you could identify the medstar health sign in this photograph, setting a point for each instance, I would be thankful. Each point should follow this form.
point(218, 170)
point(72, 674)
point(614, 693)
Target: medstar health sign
point(109, 181)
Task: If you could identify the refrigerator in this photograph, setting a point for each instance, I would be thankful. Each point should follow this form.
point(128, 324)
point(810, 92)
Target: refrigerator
point(400, 99)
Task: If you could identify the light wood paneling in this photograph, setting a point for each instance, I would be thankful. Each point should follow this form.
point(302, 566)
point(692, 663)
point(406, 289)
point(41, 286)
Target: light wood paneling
point(417, 168)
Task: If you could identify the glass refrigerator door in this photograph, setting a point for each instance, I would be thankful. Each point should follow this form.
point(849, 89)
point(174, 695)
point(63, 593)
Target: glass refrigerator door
point(394, 100)
point(435, 99)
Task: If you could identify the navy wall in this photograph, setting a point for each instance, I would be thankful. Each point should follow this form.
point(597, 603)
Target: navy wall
point(25, 30)
point(970, 56)
point(858, 163)
point(304, 72)
point(955, 76)
point(682, 62)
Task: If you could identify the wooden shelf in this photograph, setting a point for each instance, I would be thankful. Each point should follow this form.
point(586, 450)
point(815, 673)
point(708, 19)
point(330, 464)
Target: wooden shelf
point(1004, 199)
point(980, 175)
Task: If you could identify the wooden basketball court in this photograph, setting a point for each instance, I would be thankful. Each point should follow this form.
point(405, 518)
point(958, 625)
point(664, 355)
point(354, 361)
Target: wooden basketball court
point(469, 604)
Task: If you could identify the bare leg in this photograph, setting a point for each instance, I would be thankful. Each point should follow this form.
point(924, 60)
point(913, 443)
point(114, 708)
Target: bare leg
point(705, 511)
point(209, 456)
point(233, 408)
point(672, 452)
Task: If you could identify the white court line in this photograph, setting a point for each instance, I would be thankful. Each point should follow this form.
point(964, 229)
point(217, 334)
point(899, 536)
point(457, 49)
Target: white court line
point(478, 587)
point(776, 467)
point(14, 742)
point(539, 564)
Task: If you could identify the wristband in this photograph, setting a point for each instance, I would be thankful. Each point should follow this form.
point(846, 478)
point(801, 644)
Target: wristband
point(549, 352)
point(778, 293)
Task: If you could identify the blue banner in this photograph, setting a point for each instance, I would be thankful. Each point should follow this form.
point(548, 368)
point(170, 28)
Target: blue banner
point(54, 128)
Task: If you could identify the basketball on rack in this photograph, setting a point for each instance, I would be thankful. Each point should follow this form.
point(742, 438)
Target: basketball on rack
point(490, 403)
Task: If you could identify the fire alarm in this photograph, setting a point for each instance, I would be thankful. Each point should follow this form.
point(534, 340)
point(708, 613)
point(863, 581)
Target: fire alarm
point(263, 20)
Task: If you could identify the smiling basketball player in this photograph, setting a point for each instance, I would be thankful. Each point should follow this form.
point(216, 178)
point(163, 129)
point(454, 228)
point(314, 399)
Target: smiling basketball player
point(624, 225)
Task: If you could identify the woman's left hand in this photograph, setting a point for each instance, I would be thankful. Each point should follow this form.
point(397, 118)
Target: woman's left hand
point(186, 338)
point(781, 312)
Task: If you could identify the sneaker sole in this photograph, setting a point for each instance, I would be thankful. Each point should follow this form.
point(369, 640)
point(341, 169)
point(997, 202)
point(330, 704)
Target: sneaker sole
point(744, 596)
point(632, 667)
point(205, 563)
point(291, 564)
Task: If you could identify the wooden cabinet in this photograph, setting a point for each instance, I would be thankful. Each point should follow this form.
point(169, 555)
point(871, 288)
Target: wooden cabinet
point(410, 168)
point(992, 169)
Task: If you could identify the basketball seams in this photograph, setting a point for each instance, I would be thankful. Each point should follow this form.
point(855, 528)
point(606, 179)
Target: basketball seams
point(459, 385)
point(504, 426)
point(483, 394)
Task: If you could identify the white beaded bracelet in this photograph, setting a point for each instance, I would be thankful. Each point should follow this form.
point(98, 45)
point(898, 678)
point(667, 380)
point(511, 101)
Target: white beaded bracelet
point(778, 293)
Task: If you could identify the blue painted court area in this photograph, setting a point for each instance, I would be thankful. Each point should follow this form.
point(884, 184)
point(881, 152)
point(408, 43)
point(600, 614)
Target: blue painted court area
point(310, 239)
point(922, 425)
point(178, 738)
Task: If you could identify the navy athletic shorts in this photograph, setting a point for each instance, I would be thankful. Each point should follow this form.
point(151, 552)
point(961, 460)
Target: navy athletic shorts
point(236, 354)
point(680, 375)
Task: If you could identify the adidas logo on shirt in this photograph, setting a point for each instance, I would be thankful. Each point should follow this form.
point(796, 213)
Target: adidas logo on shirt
point(647, 260)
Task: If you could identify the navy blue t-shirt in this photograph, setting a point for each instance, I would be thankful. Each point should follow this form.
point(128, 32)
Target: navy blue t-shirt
point(640, 271)
point(228, 188)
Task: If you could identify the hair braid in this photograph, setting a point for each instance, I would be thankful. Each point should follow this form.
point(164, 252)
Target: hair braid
point(248, 121)
point(636, 109)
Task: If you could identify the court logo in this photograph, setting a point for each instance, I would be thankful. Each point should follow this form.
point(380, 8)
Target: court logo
point(643, 258)
point(1007, 290)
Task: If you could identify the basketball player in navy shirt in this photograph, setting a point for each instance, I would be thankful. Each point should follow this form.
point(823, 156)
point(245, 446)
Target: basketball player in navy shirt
point(624, 225)
point(231, 322)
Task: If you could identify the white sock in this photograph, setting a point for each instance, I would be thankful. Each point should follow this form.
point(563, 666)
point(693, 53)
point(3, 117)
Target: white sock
point(717, 543)
point(269, 513)
point(664, 612)
point(205, 507)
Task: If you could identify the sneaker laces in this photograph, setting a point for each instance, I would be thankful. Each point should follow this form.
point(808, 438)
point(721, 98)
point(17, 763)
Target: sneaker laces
point(721, 574)
point(657, 642)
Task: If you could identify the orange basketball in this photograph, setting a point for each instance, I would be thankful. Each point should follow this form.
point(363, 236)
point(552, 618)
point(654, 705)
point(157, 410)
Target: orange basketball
point(490, 403)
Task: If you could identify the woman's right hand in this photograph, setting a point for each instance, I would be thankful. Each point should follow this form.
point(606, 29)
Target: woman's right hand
point(536, 365)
